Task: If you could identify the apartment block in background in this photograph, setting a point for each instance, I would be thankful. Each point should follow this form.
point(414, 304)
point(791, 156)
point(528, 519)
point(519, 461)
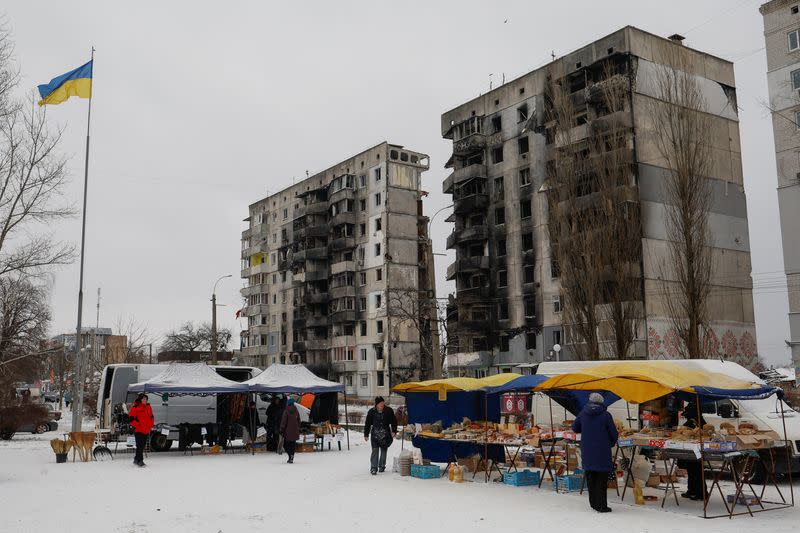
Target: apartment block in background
point(508, 306)
point(321, 260)
point(782, 34)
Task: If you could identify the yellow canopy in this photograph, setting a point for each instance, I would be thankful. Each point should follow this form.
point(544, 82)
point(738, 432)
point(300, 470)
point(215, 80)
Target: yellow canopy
point(443, 386)
point(641, 381)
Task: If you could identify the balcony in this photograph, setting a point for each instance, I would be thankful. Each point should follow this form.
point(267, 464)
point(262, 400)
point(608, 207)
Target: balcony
point(343, 243)
point(319, 230)
point(347, 291)
point(299, 346)
point(470, 234)
point(300, 212)
point(258, 288)
point(316, 275)
point(316, 321)
point(318, 208)
point(259, 309)
point(475, 323)
point(347, 315)
point(298, 257)
point(345, 193)
point(316, 298)
point(343, 218)
point(343, 266)
point(344, 366)
point(469, 144)
point(471, 203)
point(318, 253)
point(468, 264)
point(317, 344)
point(258, 329)
point(473, 294)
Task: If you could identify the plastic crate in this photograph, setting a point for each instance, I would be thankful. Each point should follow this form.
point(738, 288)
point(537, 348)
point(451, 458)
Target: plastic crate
point(570, 483)
point(425, 471)
point(523, 478)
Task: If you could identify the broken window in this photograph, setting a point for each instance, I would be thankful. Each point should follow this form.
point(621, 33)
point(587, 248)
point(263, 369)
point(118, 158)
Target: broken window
point(380, 379)
point(504, 343)
point(500, 215)
point(530, 341)
point(796, 79)
point(522, 113)
point(378, 224)
point(362, 179)
point(555, 268)
point(378, 199)
point(528, 274)
point(377, 249)
point(497, 155)
point(403, 156)
point(525, 208)
point(476, 250)
point(501, 247)
point(530, 307)
point(499, 188)
point(522, 144)
point(363, 328)
point(379, 325)
point(502, 278)
point(497, 124)
point(502, 311)
point(378, 274)
point(557, 337)
point(393, 154)
point(377, 174)
point(524, 177)
point(527, 241)
point(362, 205)
point(556, 304)
point(794, 40)
point(362, 304)
point(378, 351)
point(362, 229)
point(362, 278)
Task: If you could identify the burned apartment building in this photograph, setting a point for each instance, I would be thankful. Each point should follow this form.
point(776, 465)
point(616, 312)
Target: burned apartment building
point(509, 303)
point(782, 36)
point(325, 258)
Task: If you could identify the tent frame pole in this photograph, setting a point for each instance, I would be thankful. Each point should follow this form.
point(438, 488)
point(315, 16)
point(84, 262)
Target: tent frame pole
point(702, 456)
point(788, 445)
point(346, 420)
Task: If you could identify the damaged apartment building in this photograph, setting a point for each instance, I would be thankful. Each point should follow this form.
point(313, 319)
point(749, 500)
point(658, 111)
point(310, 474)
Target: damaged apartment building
point(508, 309)
point(324, 259)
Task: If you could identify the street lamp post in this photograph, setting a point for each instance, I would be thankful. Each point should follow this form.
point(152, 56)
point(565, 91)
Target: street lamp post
point(214, 320)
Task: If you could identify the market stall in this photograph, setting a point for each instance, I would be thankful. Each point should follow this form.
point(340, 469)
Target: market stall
point(724, 451)
point(297, 379)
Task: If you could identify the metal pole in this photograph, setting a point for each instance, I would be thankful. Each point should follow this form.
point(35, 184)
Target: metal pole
point(77, 416)
point(150, 360)
point(346, 420)
point(214, 329)
point(702, 458)
point(788, 444)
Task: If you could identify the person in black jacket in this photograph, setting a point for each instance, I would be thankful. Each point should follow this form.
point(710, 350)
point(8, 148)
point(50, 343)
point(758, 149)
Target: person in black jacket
point(273, 424)
point(382, 425)
point(598, 436)
point(694, 469)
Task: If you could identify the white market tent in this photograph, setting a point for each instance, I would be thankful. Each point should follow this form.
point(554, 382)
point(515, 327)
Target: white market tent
point(295, 379)
point(188, 378)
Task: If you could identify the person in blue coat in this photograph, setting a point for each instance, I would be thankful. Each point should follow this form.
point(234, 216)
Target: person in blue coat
point(598, 436)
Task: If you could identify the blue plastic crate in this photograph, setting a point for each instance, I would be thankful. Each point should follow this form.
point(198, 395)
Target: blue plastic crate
point(570, 483)
point(425, 471)
point(523, 478)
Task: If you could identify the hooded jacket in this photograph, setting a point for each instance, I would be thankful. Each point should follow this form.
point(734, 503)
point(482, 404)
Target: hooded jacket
point(381, 425)
point(141, 415)
point(290, 423)
point(598, 436)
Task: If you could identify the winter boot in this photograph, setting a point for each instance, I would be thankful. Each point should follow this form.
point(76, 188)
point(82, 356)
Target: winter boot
point(373, 471)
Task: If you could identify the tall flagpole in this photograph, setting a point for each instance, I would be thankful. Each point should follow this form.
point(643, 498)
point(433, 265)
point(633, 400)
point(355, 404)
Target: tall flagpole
point(77, 413)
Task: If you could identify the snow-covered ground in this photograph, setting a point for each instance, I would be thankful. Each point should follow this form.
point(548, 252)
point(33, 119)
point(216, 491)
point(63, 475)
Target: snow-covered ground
point(329, 492)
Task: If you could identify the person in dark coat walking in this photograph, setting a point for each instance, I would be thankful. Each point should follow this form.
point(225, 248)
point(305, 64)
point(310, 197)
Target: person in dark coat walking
point(273, 424)
point(382, 425)
point(693, 469)
point(290, 428)
point(141, 418)
point(598, 436)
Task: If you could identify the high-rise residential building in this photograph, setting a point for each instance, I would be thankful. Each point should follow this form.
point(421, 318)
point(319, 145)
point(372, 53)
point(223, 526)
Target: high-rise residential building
point(323, 261)
point(782, 34)
point(508, 306)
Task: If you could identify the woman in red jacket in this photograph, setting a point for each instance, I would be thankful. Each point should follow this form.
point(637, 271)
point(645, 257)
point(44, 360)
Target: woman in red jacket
point(141, 416)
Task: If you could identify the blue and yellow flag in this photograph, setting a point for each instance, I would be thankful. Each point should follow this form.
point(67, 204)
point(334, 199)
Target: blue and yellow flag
point(77, 82)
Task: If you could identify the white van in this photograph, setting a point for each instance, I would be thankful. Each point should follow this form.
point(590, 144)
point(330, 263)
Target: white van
point(113, 392)
point(765, 413)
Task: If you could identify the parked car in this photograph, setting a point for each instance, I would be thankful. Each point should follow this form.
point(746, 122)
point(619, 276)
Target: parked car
point(55, 413)
point(39, 423)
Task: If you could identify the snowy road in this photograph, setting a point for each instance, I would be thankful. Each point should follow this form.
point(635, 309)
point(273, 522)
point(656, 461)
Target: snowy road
point(326, 492)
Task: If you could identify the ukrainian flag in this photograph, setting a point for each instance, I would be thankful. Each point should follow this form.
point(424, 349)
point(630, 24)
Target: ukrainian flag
point(77, 82)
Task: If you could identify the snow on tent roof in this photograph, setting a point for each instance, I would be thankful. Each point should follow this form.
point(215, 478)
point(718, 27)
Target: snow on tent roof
point(188, 378)
point(291, 378)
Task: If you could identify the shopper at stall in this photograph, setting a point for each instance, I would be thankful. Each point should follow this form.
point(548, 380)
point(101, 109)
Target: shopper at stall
point(693, 469)
point(382, 425)
point(273, 424)
point(141, 416)
point(250, 421)
point(598, 436)
point(290, 429)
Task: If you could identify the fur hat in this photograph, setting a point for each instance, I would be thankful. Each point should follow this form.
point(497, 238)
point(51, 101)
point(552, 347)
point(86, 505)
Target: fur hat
point(596, 397)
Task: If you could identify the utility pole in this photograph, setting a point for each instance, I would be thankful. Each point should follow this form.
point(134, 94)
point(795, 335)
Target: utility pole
point(214, 320)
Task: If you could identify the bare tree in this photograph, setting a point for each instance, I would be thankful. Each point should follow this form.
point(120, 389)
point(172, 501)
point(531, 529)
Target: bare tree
point(681, 131)
point(139, 339)
point(570, 221)
point(189, 338)
point(32, 177)
point(24, 319)
point(413, 309)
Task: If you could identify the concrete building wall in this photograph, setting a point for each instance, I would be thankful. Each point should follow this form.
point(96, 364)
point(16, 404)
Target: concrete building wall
point(782, 37)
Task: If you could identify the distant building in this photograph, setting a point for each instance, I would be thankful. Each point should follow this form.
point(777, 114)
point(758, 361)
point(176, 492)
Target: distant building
point(103, 346)
point(508, 306)
point(782, 35)
point(322, 259)
point(223, 358)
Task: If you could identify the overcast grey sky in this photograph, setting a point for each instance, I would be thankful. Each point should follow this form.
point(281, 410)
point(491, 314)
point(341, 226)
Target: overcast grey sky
point(201, 108)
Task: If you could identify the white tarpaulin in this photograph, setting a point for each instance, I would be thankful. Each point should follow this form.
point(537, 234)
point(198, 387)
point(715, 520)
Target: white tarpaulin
point(188, 378)
point(291, 379)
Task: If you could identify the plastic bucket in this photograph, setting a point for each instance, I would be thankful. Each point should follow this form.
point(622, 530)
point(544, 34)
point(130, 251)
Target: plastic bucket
point(61, 458)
